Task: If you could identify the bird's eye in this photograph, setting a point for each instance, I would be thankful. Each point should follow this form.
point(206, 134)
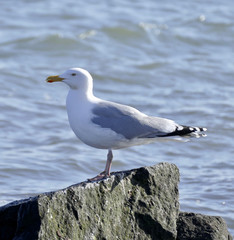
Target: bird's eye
point(73, 74)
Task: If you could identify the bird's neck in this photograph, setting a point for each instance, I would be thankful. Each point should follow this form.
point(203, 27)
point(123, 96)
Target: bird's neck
point(78, 95)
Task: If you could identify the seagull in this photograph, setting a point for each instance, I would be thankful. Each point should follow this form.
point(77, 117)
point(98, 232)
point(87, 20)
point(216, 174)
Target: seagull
point(108, 125)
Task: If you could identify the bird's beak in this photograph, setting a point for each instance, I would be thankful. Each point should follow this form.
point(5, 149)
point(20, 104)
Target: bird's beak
point(56, 78)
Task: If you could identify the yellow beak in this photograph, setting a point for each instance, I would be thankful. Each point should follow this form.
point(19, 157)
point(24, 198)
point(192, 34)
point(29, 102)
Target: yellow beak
point(55, 78)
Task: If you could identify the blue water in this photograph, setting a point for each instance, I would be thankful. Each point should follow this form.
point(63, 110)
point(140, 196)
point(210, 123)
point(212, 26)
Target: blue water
point(167, 59)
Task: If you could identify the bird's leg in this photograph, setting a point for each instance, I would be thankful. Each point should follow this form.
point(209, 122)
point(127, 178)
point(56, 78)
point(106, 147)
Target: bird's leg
point(106, 172)
point(108, 163)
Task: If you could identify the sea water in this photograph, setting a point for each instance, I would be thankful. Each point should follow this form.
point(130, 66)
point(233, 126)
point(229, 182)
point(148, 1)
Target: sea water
point(167, 59)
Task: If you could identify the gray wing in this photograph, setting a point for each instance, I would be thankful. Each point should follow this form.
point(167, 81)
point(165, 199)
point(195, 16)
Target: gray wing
point(129, 122)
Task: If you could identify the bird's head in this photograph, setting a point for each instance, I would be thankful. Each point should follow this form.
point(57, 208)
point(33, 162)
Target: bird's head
point(75, 78)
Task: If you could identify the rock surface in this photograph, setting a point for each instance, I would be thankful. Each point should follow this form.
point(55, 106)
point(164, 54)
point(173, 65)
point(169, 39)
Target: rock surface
point(137, 204)
point(201, 227)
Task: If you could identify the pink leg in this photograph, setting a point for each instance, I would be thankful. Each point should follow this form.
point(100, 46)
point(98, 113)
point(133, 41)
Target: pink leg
point(106, 172)
point(108, 163)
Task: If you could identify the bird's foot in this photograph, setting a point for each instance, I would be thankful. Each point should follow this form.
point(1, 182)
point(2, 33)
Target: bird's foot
point(99, 177)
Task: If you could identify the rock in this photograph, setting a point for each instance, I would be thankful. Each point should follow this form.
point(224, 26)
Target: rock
point(136, 204)
point(201, 227)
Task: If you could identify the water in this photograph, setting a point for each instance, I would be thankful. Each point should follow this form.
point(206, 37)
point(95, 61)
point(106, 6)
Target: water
point(166, 59)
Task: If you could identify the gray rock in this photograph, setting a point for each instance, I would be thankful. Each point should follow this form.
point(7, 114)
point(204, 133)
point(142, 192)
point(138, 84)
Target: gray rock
point(201, 227)
point(136, 204)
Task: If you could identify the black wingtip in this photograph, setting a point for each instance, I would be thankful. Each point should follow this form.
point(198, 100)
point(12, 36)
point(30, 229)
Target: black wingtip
point(187, 131)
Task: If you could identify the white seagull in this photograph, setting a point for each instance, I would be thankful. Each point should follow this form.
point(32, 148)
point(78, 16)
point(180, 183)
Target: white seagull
point(109, 125)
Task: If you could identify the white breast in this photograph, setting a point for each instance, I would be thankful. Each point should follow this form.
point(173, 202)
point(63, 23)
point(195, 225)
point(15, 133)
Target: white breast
point(79, 112)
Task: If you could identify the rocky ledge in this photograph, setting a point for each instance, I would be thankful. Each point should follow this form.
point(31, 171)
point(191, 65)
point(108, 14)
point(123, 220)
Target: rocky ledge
point(138, 204)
